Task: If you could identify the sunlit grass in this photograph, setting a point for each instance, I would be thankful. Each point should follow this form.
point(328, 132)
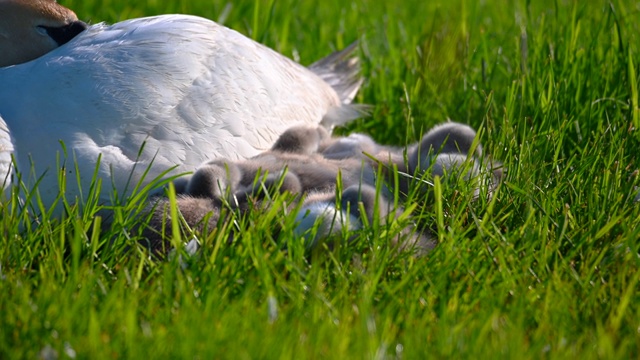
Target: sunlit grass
point(549, 267)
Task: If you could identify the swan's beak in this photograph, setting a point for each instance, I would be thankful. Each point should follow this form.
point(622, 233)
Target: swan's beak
point(63, 34)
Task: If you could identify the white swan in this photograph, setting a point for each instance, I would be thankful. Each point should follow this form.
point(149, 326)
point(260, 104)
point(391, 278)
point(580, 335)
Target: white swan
point(185, 87)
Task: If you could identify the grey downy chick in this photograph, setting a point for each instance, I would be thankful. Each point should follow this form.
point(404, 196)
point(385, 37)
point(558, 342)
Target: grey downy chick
point(321, 217)
point(448, 151)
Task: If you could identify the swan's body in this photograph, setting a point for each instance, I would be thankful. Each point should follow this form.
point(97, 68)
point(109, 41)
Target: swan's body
point(187, 88)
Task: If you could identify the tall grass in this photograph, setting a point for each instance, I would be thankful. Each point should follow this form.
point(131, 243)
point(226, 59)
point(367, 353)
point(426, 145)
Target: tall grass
point(549, 267)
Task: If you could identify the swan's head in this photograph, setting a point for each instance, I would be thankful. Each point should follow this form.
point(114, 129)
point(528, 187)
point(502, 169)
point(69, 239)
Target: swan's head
point(32, 28)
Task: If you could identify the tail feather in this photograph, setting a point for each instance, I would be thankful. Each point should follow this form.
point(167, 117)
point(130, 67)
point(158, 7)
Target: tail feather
point(338, 116)
point(341, 70)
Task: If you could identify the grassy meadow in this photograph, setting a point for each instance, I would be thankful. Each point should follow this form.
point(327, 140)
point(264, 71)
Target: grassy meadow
point(548, 268)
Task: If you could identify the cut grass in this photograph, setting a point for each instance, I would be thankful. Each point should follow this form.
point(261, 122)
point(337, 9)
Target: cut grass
point(547, 268)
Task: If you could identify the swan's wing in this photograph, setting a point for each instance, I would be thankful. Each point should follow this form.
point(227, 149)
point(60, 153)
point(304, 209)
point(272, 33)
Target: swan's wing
point(188, 87)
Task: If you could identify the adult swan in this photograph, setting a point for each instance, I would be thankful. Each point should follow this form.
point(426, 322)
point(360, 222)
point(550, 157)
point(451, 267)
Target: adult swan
point(185, 87)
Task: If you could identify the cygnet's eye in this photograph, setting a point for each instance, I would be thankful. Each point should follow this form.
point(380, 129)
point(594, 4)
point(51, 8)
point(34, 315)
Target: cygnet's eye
point(63, 34)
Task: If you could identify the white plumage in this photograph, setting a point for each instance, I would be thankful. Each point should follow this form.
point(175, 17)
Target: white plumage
point(186, 87)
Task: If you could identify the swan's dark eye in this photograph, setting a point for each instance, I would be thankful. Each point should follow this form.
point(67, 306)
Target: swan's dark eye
point(64, 34)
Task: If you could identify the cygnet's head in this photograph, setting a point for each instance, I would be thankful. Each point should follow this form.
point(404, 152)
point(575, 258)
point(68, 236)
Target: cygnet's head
point(447, 138)
point(32, 28)
point(352, 146)
point(214, 179)
point(303, 140)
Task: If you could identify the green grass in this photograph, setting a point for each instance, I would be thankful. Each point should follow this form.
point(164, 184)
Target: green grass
point(548, 269)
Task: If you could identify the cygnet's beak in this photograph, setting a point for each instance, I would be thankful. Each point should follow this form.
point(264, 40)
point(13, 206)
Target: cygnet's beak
point(63, 34)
